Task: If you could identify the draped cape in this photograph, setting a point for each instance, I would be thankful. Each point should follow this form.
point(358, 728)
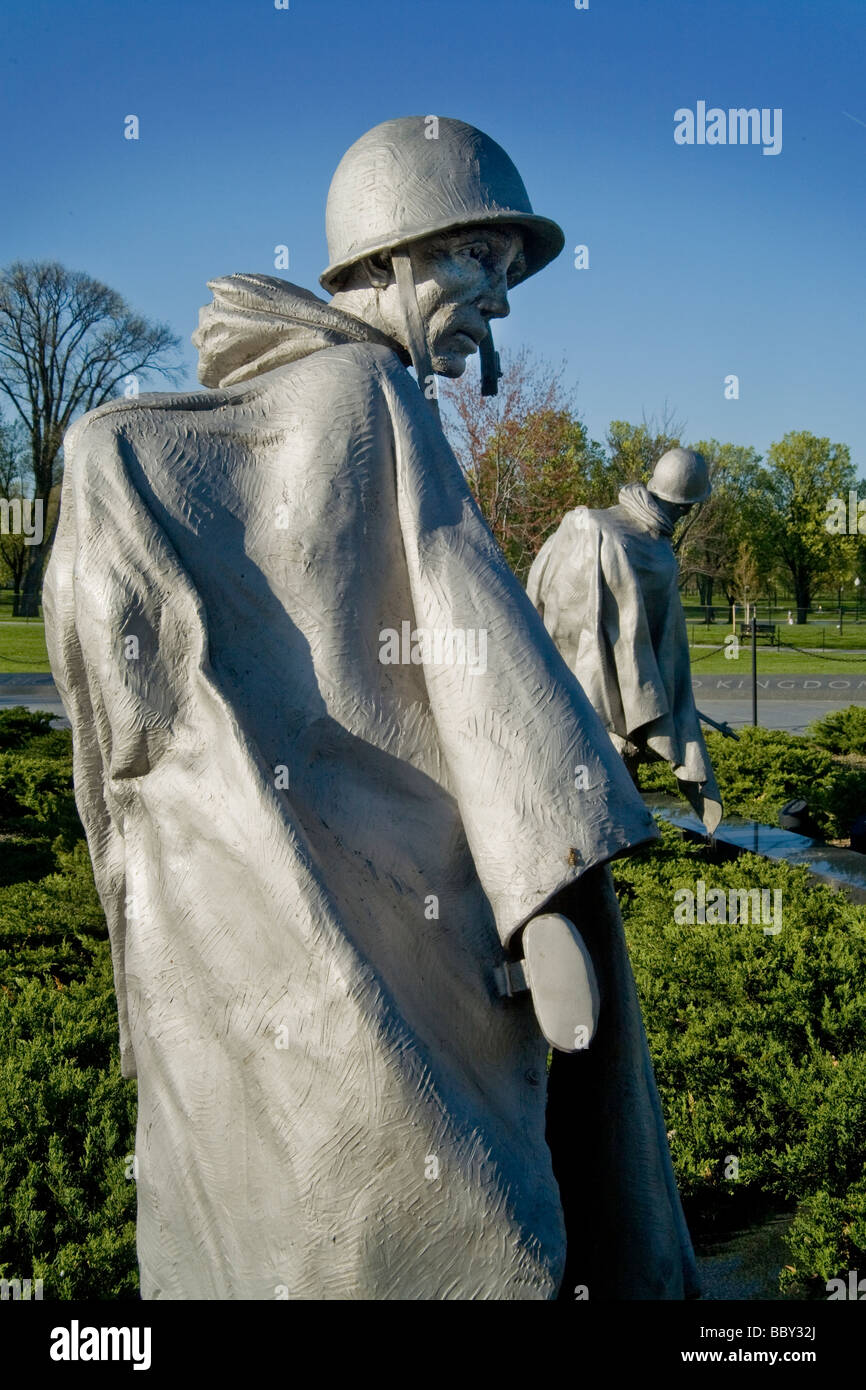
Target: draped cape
point(312, 859)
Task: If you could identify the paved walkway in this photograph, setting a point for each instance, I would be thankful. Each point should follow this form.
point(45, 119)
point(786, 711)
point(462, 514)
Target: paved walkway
point(850, 689)
point(791, 716)
point(33, 691)
point(791, 703)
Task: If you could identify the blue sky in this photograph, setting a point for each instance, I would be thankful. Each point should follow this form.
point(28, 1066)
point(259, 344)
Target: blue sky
point(704, 260)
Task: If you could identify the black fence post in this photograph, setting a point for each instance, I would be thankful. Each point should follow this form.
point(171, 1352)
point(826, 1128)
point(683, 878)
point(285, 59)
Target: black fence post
point(754, 671)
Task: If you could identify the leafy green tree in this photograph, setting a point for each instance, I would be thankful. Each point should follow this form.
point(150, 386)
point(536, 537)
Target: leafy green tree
point(634, 450)
point(804, 472)
point(708, 539)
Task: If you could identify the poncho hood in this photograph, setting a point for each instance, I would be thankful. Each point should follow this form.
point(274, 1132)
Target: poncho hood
point(643, 508)
point(258, 322)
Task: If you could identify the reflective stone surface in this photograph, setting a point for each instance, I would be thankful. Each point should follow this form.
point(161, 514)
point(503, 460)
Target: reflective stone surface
point(841, 868)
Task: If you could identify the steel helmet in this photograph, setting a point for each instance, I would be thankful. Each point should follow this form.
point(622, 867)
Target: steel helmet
point(410, 178)
point(415, 177)
point(682, 476)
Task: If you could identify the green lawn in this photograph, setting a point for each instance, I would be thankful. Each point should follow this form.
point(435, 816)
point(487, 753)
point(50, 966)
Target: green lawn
point(813, 634)
point(22, 645)
point(22, 648)
point(820, 628)
point(774, 663)
point(828, 655)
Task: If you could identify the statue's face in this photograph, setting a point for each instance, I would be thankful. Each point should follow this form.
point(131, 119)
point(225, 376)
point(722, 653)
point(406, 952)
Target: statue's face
point(674, 510)
point(462, 280)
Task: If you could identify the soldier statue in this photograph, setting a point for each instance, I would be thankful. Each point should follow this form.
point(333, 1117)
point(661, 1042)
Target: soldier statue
point(606, 585)
point(332, 849)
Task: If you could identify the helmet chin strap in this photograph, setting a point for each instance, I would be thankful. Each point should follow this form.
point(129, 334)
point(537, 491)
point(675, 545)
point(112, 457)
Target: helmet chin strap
point(417, 344)
point(419, 349)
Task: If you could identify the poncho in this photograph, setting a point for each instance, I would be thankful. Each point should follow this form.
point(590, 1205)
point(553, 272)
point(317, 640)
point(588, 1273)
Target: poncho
point(313, 847)
point(606, 585)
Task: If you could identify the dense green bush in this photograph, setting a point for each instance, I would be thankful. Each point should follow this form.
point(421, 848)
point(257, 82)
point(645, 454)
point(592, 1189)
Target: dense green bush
point(759, 1045)
point(842, 730)
point(19, 727)
point(67, 1118)
point(759, 1042)
point(37, 802)
point(764, 768)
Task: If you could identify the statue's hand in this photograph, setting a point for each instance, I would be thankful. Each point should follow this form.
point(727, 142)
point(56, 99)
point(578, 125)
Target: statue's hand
point(562, 981)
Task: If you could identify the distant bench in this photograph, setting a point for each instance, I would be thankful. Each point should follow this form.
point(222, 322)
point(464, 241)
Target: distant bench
point(761, 630)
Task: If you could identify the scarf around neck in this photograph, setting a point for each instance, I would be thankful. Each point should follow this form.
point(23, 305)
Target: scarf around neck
point(640, 504)
point(258, 322)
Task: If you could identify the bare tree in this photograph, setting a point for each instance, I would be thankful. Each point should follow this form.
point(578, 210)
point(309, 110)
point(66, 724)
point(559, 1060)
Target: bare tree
point(476, 424)
point(66, 343)
point(746, 576)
